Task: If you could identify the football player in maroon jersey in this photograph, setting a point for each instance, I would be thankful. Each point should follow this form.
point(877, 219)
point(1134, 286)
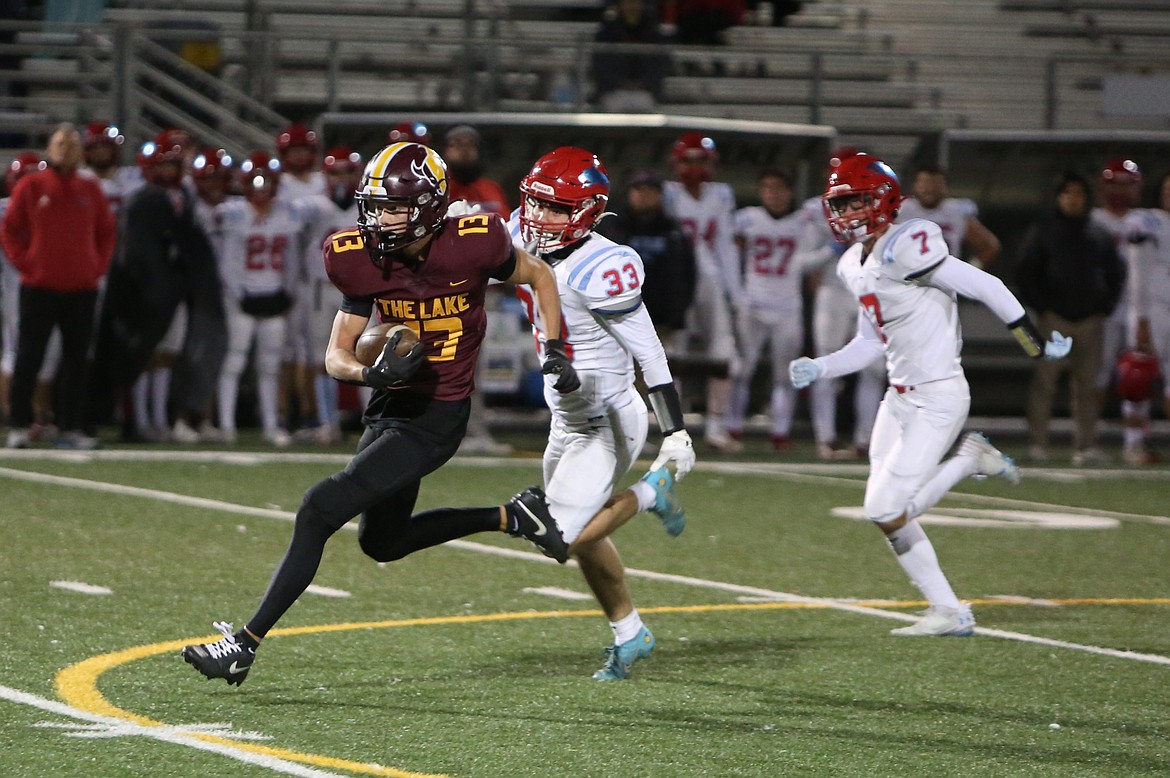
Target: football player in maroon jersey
point(406, 262)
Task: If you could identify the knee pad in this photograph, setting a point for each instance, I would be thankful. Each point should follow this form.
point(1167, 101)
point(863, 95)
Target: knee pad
point(886, 502)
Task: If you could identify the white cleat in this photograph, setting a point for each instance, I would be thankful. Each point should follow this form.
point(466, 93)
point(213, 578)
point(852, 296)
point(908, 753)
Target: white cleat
point(990, 460)
point(941, 621)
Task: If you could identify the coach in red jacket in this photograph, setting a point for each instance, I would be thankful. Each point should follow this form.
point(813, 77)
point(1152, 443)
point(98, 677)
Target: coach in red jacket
point(59, 233)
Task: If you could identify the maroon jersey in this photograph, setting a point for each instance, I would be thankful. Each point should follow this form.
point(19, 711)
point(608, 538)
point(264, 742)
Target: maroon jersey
point(439, 297)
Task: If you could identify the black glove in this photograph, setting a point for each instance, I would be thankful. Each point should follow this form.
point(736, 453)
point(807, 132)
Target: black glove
point(557, 362)
point(391, 369)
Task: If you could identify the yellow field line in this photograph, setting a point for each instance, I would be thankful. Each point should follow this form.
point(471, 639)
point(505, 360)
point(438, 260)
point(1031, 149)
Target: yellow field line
point(77, 684)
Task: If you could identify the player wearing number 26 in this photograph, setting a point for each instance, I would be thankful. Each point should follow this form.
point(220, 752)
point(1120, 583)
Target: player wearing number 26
point(406, 262)
point(907, 283)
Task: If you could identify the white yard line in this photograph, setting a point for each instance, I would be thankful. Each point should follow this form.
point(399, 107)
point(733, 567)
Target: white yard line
point(839, 605)
point(111, 726)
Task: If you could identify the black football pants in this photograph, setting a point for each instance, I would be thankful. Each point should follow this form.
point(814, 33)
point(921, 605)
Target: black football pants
point(381, 484)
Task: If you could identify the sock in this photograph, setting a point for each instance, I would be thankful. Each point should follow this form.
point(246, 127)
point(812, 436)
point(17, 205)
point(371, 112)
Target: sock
point(916, 556)
point(945, 476)
point(624, 630)
point(644, 492)
point(249, 642)
point(160, 392)
point(139, 395)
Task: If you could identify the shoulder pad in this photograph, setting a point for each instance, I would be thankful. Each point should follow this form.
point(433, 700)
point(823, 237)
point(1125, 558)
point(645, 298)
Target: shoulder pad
point(912, 248)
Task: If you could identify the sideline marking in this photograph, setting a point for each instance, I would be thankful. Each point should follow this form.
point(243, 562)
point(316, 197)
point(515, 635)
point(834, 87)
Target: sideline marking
point(175, 735)
point(994, 518)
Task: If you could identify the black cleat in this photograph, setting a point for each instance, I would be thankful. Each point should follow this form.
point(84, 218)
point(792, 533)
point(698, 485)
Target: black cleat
point(229, 658)
point(529, 511)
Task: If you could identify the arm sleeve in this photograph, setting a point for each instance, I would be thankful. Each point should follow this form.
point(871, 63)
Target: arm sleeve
point(635, 331)
point(956, 276)
point(865, 349)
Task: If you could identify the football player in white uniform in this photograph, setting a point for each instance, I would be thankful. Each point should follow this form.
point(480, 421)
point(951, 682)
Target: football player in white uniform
point(102, 144)
point(1120, 188)
point(599, 429)
point(907, 282)
point(834, 321)
point(301, 179)
point(261, 254)
point(958, 218)
point(771, 314)
point(1148, 254)
point(706, 211)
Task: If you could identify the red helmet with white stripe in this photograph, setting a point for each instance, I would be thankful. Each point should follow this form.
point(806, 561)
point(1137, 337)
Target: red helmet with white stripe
point(861, 199)
point(21, 165)
point(1136, 373)
point(567, 180)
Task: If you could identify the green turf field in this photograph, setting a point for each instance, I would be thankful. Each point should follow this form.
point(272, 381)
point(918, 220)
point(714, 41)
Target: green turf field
point(473, 660)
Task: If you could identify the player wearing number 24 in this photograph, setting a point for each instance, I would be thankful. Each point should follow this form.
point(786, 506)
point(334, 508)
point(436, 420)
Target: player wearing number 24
point(907, 283)
point(406, 262)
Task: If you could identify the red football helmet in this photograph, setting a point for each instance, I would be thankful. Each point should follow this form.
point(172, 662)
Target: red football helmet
point(21, 165)
point(409, 132)
point(869, 180)
point(155, 160)
point(1121, 184)
point(341, 159)
point(260, 176)
point(572, 178)
point(175, 137)
point(694, 156)
point(402, 175)
point(296, 136)
point(1136, 373)
point(837, 156)
point(99, 133)
point(212, 163)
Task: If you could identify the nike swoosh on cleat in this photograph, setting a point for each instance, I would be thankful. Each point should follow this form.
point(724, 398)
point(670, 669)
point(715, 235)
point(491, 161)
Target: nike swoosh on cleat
point(457, 283)
point(234, 670)
point(534, 517)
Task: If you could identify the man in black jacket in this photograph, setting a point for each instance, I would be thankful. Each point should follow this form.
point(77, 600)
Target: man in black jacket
point(1071, 273)
point(163, 259)
point(666, 253)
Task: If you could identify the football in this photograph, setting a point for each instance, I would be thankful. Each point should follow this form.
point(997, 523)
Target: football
point(373, 340)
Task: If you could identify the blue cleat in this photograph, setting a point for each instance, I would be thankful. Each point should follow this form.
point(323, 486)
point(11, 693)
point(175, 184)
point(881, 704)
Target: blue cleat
point(619, 659)
point(673, 517)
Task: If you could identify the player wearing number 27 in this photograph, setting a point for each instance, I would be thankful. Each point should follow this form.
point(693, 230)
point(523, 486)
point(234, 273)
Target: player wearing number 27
point(598, 430)
point(907, 283)
point(408, 263)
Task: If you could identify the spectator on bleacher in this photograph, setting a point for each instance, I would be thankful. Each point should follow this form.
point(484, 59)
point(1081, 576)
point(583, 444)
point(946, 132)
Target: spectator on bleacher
point(59, 233)
point(1120, 188)
point(702, 22)
point(624, 81)
point(966, 236)
point(462, 147)
point(1071, 274)
point(706, 211)
point(667, 256)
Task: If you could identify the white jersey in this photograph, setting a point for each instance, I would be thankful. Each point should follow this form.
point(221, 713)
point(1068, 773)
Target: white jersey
point(1148, 255)
point(259, 255)
point(293, 188)
point(324, 218)
point(603, 323)
point(709, 222)
point(124, 182)
point(919, 324)
point(951, 215)
point(774, 258)
point(1120, 227)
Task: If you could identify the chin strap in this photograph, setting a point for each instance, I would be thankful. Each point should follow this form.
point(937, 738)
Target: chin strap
point(667, 408)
